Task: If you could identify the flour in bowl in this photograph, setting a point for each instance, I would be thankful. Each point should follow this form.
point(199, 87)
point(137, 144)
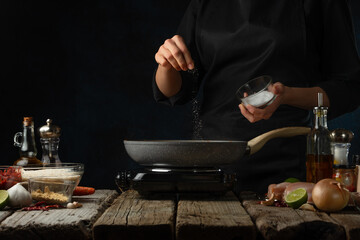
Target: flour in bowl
point(62, 173)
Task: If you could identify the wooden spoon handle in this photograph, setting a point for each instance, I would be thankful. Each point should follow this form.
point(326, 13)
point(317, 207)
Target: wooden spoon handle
point(258, 142)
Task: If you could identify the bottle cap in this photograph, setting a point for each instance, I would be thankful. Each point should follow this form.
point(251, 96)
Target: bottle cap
point(28, 121)
point(49, 130)
point(320, 100)
point(341, 135)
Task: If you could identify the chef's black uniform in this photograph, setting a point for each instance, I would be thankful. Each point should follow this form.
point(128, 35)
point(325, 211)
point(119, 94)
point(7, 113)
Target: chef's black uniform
point(300, 43)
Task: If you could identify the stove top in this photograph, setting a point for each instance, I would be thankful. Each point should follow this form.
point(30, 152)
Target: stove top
point(176, 180)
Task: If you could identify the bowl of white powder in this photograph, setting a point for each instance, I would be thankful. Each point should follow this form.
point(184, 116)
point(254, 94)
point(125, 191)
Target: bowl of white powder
point(256, 92)
point(65, 171)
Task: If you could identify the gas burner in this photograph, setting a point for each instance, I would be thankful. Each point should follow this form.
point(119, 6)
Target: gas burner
point(183, 170)
point(176, 180)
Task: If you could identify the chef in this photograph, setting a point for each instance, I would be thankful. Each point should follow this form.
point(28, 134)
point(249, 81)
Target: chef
point(306, 46)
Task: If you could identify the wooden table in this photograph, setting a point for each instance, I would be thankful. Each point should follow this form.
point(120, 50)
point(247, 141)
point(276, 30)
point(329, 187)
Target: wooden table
point(107, 215)
point(164, 217)
point(224, 217)
point(56, 223)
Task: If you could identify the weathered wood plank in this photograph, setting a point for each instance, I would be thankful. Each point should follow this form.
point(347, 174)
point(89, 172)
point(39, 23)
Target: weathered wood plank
point(58, 223)
point(133, 217)
point(287, 223)
point(350, 220)
point(4, 214)
point(220, 217)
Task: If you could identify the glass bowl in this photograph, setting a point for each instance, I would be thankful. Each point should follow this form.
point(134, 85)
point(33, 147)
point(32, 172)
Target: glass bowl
point(65, 171)
point(256, 92)
point(52, 190)
point(9, 176)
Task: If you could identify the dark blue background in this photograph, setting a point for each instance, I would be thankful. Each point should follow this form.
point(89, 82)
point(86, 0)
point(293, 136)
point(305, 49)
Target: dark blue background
point(88, 65)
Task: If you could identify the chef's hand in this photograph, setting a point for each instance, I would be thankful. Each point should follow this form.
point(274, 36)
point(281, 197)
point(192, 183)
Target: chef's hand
point(174, 54)
point(254, 114)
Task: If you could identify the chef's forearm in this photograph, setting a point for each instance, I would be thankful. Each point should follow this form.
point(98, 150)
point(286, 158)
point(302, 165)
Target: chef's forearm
point(305, 98)
point(168, 81)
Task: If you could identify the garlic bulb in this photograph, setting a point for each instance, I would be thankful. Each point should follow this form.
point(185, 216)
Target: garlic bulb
point(73, 205)
point(19, 196)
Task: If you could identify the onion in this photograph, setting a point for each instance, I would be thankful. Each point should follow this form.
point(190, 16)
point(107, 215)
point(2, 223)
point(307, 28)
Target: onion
point(330, 195)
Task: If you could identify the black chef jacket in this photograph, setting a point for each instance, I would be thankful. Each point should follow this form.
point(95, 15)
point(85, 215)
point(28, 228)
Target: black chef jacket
point(300, 43)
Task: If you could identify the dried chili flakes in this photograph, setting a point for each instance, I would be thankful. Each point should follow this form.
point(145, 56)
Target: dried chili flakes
point(42, 205)
point(9, 177)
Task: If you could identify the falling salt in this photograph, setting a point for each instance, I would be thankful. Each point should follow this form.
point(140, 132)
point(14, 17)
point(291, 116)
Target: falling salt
point(197, 123)
point(259, 99)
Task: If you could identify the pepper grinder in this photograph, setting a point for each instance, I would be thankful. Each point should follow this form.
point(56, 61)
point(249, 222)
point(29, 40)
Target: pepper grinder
point(50, 142)
point(341, 139)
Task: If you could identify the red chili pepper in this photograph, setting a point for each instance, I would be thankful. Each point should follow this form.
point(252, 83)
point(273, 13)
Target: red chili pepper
point(42, 207)
point(54, 206)
point(80, 191)
point(9, 177)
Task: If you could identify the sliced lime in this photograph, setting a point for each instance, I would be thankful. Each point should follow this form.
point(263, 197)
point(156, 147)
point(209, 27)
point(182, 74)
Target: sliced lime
point(296, 198)
point(4, 199)
point(292, 180)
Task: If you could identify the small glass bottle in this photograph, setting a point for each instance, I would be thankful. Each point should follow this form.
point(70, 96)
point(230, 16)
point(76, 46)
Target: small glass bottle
point(27, 145)
point(319, 157)
point(341, 139)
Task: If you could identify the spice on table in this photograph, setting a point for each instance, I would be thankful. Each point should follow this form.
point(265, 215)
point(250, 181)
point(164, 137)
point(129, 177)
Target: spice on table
point(9, 177)
point(42, 205)
point(49, 196)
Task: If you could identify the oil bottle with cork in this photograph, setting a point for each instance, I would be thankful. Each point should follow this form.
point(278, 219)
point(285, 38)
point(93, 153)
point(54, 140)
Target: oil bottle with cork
point(319, 157)
point(27, 144)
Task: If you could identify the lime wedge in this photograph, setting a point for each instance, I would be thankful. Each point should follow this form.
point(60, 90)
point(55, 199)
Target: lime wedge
point(292, 180)
point(4, 199)
point(296, 198)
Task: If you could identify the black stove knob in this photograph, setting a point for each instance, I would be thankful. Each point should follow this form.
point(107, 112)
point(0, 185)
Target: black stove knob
point(123, 179)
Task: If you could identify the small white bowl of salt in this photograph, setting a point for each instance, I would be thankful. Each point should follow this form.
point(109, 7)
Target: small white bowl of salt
point(256, 92)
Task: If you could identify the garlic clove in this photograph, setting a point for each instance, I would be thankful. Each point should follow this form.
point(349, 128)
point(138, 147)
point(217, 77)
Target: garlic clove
point(74, 205)
point(308, 207)
point(70, 205)
point(19, 197)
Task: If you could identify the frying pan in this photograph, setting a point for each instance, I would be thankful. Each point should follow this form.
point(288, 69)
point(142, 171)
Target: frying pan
point(201, 153)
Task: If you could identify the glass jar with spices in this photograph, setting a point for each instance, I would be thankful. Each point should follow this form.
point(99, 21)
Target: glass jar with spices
point(344, 170)
point(346, 175)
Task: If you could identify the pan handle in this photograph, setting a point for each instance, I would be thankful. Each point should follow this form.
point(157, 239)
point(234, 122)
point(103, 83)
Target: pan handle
point(258, 142)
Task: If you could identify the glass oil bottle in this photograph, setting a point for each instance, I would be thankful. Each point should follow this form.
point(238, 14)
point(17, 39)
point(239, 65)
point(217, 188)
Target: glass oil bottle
point(319, 157)
point(27, 144)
